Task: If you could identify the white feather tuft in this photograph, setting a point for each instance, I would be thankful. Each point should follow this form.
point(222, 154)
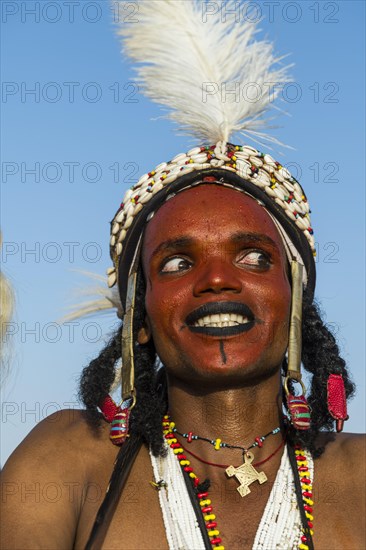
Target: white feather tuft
point(189, 60)
point(105, 300)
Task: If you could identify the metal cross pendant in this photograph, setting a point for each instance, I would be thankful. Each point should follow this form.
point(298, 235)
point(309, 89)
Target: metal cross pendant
point(246, 474)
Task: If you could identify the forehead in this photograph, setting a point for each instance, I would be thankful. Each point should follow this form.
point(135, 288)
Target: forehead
point(208, 212)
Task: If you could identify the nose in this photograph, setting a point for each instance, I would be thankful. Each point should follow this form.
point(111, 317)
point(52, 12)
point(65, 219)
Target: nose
point(217, 276)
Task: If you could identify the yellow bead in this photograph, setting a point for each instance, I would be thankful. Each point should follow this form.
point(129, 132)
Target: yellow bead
point(163, 176)
point(237, 147)
point(217, 444)
point(311, 532)
point(306, 487)
point(173, 440)
point(172, 425)
point(309, 501)
point(209, 517)
point(178, 451)
point(184, 462)
point(303, 547)
point(214, 533)
point(153, 174)
point(205, 502)
point(220, 547)
point(309, 516)
point(233, 157)
point(192, 475)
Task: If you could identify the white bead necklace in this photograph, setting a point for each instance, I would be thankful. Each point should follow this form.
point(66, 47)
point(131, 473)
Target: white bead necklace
point(280, 526)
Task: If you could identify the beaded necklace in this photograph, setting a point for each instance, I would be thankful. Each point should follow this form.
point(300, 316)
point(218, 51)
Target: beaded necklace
point(292, 531)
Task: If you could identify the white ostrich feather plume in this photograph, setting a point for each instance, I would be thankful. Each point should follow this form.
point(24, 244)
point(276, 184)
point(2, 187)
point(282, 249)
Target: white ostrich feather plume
point(190, 59)
point(105, 300)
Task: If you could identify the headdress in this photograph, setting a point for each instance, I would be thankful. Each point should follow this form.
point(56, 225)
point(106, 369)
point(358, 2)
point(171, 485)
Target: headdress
point(179, 69)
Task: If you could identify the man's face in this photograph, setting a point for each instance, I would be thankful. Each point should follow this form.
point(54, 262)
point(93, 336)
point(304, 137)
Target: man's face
point(217, 292)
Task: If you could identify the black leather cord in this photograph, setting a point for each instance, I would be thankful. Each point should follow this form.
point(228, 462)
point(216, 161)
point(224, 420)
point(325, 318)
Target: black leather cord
point(122, 467)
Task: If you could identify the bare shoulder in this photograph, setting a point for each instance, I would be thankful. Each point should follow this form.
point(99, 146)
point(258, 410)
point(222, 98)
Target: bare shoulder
point(44, 480)
point(345, 457)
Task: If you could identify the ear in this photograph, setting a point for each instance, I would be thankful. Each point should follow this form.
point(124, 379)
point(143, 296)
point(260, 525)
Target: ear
point(144, 334)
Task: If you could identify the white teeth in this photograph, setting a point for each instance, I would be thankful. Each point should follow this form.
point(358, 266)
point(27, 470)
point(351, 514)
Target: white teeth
point(221, 320)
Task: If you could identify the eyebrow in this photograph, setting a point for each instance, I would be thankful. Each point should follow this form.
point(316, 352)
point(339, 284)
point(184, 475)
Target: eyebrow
point(171, 245)
point(240, 237)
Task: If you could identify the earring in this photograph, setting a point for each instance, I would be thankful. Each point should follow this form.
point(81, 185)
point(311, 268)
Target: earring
point(298, 407)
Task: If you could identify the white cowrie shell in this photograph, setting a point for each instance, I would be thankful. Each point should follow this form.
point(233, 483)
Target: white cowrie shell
point(279, 177)
point(138, 209)
point(120, 216)
point(118, 249)
point(268, 168)
point(288, 186)
point(194, 151)
point(115, 228)
point(257, 162)
point(160, 167)
point(128, 194)
point(121, 236)
point(179, 159)
point(247, 149)
point(279, 192)
point(112, 240)
point(269, 191)
point(112, 280)
point(269, 160)
point(199, 159)
point(301, 224)
point(290, 214)
point(145, 197)
point(143, 179)
point(128, 222)
point(157, 187)
point(170, 178)
point(110, 270)
point(285, 173)
point(129, 210)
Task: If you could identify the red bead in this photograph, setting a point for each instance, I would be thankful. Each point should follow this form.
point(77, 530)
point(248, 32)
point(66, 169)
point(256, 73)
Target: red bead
point(202, 495)
point(207, 509)
point(189, 438)
point(302, 468)
point(181, 457)
point(211, 524)
point(307, 494)
point(196, 481)
point(300, 458)
point(308, 508)
point(175, 445)
point(188, 469)
point(169, 436)
point(216, 540)
point(310, 524)
point(304, 539)
point(305, 480)
point(258, 440)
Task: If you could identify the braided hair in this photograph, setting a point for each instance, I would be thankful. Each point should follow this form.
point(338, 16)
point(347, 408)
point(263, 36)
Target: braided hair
point(320, 357)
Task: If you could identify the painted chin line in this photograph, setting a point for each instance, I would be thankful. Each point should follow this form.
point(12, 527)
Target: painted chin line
point(223, 332)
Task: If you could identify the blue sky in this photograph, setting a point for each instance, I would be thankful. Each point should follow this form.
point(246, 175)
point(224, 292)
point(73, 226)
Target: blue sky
point(72, 146)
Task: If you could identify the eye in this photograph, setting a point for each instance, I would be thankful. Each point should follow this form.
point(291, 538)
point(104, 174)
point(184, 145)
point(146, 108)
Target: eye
point(174, 265)
point(255, 258)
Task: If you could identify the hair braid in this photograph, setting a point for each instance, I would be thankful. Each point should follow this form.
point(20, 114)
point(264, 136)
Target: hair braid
point(320, 357)
point(97, 378)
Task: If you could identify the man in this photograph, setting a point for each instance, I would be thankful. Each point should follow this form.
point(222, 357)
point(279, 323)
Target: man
point(213, 258)
point(223, 385)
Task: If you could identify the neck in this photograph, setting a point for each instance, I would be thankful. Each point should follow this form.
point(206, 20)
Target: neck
point(237, 416)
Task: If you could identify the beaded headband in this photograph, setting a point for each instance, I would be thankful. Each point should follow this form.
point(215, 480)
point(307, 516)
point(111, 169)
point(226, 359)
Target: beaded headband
point(255, 171)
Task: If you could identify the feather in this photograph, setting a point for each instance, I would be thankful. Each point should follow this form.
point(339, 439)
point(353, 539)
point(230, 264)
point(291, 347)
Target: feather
point(108, 299)
point(190, 60)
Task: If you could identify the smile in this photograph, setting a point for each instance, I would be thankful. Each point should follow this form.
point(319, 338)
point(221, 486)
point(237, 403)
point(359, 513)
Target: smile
point(221, 319)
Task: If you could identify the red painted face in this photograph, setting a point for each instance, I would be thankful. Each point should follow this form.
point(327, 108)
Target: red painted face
point(217, 292)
